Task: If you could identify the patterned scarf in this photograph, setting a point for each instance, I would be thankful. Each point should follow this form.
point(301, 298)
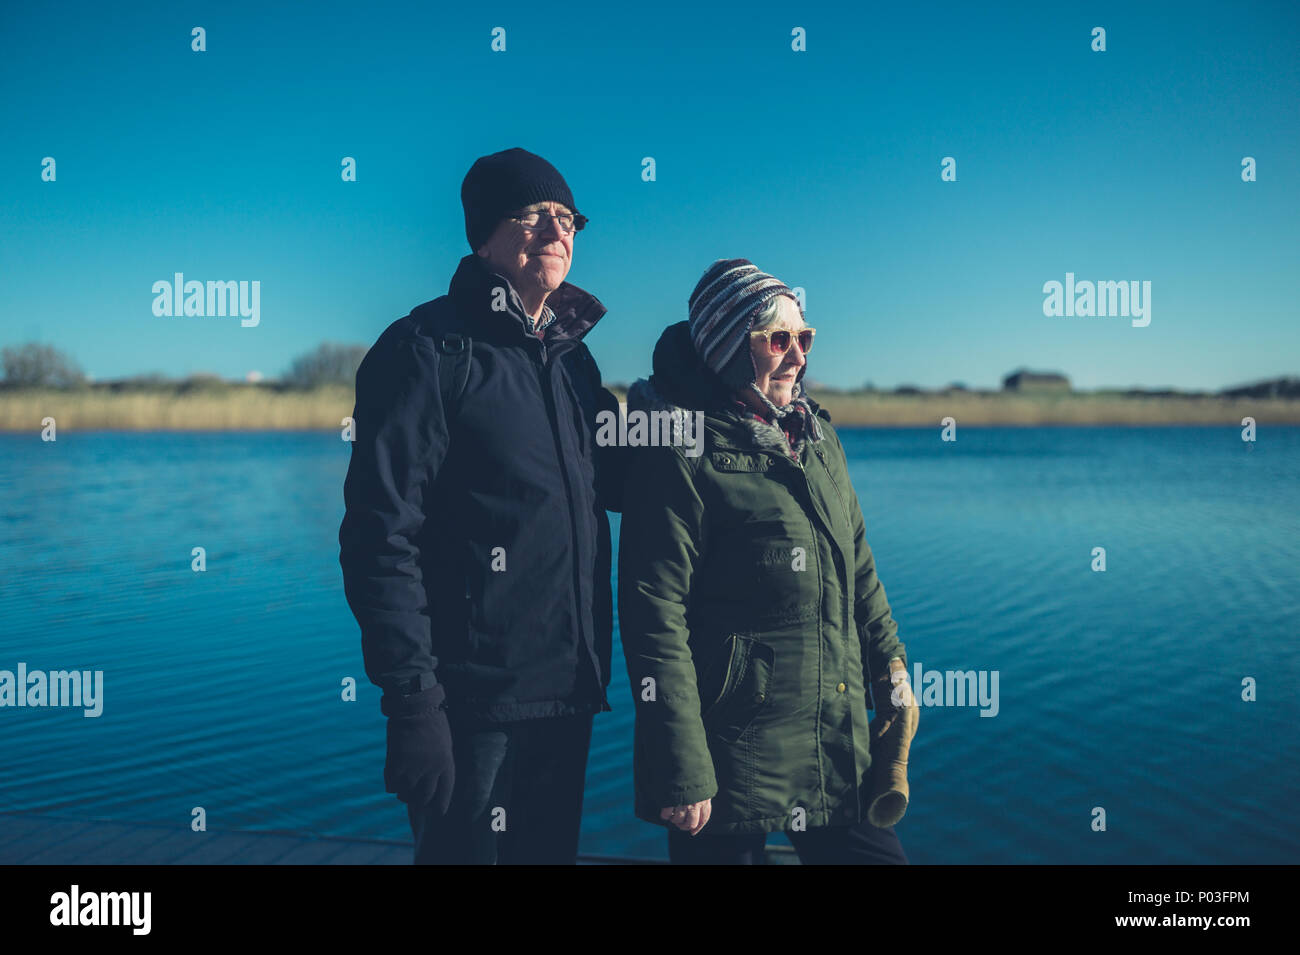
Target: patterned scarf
point(796, 420)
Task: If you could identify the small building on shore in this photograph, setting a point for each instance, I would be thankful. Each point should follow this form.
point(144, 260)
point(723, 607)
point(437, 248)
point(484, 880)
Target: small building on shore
point(1037, 382)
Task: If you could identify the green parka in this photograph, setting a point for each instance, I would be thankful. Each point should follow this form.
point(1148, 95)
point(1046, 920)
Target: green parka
point(751, 616)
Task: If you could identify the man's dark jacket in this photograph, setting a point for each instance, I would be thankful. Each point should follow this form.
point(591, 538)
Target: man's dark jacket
point(475, 547)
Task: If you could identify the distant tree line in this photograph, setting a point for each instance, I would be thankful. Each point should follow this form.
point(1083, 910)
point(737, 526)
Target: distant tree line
point(40, 366)
point(328, 364)
point(34, 365)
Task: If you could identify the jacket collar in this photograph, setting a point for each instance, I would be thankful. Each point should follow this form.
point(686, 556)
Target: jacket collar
point(727, 427)
point(576, 311)
point(732, 428)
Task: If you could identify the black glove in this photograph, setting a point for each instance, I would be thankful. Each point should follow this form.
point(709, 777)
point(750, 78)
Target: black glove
point(420, 768)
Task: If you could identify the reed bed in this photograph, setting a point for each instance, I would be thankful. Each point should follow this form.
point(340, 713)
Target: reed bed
point(238, 408)
point(263, 408)
point(1008, 409)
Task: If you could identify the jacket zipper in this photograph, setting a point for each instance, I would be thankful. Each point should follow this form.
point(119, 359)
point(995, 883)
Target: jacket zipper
point(821, 595)
point(544, 380)
point(848, 570)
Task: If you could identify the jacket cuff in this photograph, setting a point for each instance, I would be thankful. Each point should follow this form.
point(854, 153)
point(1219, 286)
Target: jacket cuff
point(413, 704)
point(683, 795)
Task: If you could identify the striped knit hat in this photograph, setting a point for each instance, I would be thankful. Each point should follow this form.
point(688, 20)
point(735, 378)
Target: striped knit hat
point(723, 306)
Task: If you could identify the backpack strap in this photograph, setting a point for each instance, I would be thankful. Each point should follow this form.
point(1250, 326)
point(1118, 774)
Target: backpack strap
point(454, 349)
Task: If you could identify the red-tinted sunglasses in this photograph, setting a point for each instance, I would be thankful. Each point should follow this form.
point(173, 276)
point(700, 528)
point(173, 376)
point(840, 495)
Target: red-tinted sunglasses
point(778, 339)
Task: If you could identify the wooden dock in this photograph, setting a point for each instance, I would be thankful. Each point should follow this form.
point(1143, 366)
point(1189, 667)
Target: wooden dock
point(34, 839)
point(38, 839)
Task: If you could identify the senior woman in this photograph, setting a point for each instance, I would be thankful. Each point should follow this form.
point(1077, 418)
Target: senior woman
point(751, 615)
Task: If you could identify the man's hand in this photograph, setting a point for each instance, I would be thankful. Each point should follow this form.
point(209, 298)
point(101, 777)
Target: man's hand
point(419, 768)
point(690, 818)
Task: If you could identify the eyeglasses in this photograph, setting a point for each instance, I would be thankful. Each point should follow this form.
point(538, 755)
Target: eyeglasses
point(540, 221)
point(778, 339)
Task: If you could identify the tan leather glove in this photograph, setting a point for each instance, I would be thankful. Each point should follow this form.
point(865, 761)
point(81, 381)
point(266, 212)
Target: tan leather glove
point(892, 730)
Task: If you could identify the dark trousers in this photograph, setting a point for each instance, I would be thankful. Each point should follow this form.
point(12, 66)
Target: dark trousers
point(863, 844)
point(517, 798)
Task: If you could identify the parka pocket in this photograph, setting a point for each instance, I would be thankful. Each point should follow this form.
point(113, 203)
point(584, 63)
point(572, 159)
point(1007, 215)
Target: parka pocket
point(839, 493)
point(746, 680)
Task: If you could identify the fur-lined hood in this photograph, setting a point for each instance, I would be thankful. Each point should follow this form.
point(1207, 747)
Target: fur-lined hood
point(682, 384)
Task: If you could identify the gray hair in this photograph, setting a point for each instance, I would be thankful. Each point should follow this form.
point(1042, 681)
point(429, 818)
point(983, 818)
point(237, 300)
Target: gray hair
point(770, 312)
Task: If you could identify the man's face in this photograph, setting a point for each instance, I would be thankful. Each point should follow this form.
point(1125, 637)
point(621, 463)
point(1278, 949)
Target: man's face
point(532, 259)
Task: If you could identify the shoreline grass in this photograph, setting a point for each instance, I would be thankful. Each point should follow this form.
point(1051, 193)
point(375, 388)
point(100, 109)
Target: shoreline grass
point(866, 409)
point(241, 407)
point(232, 408)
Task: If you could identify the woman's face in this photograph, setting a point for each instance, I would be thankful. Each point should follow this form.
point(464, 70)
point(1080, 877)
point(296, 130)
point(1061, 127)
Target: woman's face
point(777, 373)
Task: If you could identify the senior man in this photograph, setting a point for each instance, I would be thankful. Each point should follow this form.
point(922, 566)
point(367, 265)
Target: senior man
point(475, 546)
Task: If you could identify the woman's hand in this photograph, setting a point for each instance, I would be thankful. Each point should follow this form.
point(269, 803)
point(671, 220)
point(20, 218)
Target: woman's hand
point(892, 732)
point(894, 699)
point(690, 818)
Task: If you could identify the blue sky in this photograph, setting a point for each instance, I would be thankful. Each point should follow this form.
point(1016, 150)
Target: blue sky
point(822, 167)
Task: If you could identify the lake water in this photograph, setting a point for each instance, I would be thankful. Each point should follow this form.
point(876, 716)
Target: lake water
point(1120, 690)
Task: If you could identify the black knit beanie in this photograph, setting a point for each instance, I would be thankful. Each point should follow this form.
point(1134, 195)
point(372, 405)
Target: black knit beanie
point(505, 181)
